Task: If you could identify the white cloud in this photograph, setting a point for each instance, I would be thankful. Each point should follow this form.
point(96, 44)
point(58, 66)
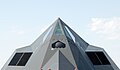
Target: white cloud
point(17, 30)
point(109, 27)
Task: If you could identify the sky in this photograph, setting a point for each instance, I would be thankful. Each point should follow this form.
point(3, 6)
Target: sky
point(96, 21)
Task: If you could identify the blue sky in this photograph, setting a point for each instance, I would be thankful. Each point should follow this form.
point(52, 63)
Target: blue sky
point(96, 21)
